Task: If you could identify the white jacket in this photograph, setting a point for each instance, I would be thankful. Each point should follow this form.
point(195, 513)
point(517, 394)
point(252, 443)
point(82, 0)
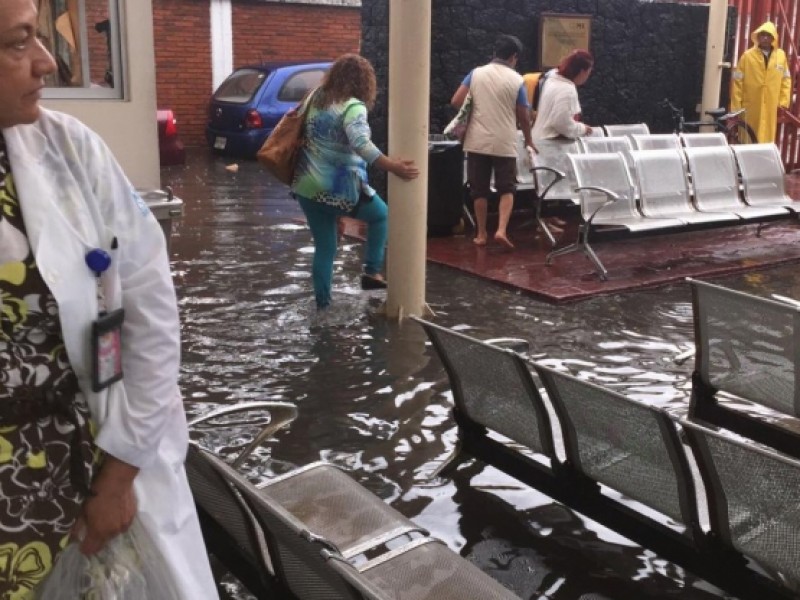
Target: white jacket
point(558, 106)
point(75, 197)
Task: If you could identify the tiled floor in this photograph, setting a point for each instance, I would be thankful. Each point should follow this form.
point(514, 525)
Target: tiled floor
point(633, 262)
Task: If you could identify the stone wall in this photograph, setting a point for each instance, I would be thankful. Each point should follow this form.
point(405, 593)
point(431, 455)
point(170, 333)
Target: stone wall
point(644, 52)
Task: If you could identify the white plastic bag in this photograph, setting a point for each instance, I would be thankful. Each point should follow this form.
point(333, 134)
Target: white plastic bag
point(129, 567)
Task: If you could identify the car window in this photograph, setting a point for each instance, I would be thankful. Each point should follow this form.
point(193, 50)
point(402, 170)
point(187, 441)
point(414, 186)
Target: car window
point(240, 86)
point(298, 84)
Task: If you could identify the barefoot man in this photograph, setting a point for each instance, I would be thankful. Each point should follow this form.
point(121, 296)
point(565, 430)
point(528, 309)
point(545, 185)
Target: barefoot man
point(499, 102)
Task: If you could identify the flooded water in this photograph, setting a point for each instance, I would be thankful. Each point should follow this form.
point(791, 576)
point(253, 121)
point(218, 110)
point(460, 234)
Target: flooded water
point(374, 399)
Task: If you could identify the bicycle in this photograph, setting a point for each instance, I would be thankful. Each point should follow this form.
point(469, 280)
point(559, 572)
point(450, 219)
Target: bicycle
point(732, 124)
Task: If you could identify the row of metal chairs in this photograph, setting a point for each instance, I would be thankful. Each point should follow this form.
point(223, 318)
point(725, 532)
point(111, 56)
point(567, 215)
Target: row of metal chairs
point(317, 534)
point(624, 463)
point(645, 190)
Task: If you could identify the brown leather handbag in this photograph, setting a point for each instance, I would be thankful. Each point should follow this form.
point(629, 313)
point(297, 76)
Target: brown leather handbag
point(280, 150)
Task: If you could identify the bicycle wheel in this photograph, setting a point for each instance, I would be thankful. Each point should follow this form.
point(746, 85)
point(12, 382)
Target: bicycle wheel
point(740, 133)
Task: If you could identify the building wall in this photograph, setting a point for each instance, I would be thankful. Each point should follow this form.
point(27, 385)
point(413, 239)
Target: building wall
point(263, 31)
point(128, 126)
point(183, 63)
point(644, 52)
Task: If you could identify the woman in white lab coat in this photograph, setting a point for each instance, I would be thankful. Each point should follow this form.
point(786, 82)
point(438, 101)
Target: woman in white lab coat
point(66, 210)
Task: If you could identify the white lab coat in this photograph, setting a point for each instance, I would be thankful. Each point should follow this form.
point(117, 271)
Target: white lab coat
point(74, 198)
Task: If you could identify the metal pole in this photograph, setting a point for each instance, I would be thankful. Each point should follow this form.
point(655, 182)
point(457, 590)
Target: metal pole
point(715, 48)
point(409, 99)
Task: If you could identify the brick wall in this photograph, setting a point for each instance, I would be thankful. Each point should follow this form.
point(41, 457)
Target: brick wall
point(182, 32)
point(262, 31)
point(266, 33)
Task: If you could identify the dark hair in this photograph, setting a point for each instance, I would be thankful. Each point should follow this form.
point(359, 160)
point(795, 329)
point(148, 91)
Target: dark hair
point(575, 62)
point(351, 76)
point(507, 46)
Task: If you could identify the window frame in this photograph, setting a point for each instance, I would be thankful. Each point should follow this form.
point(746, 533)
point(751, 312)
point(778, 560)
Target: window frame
point(116, 37)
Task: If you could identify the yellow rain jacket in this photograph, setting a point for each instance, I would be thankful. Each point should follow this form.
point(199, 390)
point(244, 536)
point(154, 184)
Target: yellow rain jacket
point(761, 88)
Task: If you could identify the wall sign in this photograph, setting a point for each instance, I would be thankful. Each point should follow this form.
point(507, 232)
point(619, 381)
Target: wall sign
point(559, 34)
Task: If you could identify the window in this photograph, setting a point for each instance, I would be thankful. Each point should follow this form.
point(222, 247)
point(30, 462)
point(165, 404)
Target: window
point(83, 36)
point(298, 84)
point(240, 86)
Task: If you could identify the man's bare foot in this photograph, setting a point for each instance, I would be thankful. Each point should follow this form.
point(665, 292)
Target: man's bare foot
point(502, 238)
point(479, 241)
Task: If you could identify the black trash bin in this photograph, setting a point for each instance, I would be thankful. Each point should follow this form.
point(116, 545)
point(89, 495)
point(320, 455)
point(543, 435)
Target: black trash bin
point(445, 185)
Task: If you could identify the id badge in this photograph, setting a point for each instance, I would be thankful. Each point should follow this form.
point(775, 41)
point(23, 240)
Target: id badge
point(107, 349)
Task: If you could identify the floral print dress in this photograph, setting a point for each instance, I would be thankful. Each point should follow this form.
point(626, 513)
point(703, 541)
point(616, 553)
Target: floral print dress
point(46, 458)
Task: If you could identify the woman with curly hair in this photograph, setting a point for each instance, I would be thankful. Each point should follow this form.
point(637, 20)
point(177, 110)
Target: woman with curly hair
point(331, 173)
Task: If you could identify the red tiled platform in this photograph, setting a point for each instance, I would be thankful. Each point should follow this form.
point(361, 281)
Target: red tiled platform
point(632, 262)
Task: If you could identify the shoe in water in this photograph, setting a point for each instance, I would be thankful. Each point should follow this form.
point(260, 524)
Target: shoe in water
point(370, 282)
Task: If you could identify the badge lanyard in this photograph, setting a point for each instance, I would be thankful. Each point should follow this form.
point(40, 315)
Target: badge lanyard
point(107, 328)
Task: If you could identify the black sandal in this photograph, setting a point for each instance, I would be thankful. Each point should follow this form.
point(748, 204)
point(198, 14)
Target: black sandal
point(370, 282)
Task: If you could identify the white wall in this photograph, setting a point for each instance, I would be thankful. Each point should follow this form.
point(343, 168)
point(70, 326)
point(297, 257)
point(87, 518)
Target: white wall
point(128, 126)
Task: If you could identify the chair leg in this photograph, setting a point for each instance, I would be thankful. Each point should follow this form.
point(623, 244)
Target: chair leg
point(587, 249)
point(583, 245)
point(468, 215)
point(540, 222)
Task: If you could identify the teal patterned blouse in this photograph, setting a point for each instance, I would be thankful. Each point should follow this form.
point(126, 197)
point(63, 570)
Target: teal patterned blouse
point(332, 165)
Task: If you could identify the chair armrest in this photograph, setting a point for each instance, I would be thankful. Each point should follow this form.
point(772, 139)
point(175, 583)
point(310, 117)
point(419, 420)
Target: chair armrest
point(557, 176)
point(612, 197)
point(269, 430)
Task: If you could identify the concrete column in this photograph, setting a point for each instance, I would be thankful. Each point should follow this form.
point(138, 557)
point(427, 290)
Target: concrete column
point(715, 47)
point(409, 99)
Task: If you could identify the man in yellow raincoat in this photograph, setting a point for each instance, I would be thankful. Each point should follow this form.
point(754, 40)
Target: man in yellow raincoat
point(762, 83)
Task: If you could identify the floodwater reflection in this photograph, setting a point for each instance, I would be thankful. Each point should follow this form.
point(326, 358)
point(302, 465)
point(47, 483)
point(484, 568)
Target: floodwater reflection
point(374, 399)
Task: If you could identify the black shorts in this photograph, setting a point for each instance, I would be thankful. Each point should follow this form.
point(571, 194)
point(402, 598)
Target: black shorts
point(479, 174)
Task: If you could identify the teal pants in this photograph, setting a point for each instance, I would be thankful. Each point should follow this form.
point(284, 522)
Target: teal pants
point(322, 222)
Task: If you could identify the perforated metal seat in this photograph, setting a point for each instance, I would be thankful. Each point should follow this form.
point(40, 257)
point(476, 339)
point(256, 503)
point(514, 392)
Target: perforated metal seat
point(754, 506)
point(619, 143)
point(423, 570)
point(330, 504)
point(493, 388)
point(627, 129)
point(656, 141)
point(715, 182)
point(624, 444)
point(763, 176)
point(701, 140)
point(664, 188)
point(748, 347)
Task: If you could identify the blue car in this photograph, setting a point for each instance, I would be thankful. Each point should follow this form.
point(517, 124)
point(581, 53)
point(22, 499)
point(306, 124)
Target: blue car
point(249, 103)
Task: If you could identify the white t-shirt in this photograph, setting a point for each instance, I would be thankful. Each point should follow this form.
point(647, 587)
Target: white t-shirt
point(492, 128)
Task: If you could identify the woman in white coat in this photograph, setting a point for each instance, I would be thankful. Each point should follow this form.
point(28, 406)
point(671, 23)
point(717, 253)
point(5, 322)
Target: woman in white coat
point(77, 244)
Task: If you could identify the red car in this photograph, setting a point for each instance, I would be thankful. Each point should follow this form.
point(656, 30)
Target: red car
point(171, 150)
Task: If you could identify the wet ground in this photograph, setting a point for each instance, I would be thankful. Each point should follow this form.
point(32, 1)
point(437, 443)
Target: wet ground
point(374, 399)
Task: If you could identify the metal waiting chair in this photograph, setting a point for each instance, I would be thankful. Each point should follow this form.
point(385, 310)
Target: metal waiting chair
point(318, 502)
point(664, 188)
point(749, 347)
point(620, 143)
point(699, 140)
point(754, 507)
point(627, 129)
point(493, 390)
point(608, 200)
point(715, 183)
point(763, 176)
point(312, 566)
point(656, 141)
point(629, 446)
